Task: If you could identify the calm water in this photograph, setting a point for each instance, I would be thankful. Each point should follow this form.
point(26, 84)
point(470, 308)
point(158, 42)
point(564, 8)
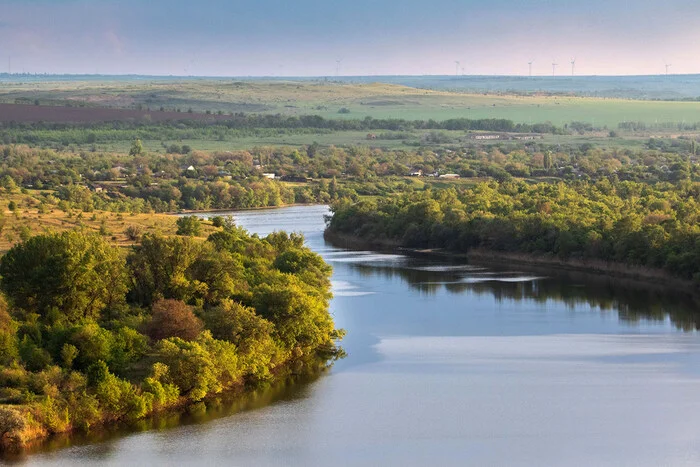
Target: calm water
point(452, 364)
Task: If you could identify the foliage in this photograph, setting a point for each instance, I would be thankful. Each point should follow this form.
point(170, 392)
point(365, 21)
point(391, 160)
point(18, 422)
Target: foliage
point(63, 277)
point(189, 225)
point(72, 354)
point(173, 318)
point(654, 226)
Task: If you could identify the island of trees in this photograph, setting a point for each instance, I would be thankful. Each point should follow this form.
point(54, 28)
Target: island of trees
point(91, 334)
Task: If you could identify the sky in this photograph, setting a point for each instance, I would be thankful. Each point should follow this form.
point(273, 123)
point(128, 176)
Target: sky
point(349, 37)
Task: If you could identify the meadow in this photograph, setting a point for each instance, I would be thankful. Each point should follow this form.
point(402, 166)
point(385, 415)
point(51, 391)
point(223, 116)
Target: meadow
point(347, 100)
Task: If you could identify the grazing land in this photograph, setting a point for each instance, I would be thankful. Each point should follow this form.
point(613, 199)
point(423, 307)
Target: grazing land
point(334, 100)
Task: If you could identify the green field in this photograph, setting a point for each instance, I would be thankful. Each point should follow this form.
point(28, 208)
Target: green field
point(327, 98)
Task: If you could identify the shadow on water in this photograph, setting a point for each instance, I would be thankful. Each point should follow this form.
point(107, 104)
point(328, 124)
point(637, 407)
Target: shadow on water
point(632, 300)
point(103, 442)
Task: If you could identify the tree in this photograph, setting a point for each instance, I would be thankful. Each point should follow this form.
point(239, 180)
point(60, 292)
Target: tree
point(192, 368)
point(189, 226)
point(9, 184)
point(159, 268)
point(547, 160)
point(173, 318)
point(64, 277)
point(8, 336)
point(136, 148)
point(297, 311)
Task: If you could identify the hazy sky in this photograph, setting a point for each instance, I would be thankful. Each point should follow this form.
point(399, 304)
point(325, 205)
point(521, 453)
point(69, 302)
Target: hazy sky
point(306, 37)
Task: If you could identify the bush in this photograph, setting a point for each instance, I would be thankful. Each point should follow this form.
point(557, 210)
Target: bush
point(12, 423)
point(221, 221)
point(133, 233)
point(120, 399)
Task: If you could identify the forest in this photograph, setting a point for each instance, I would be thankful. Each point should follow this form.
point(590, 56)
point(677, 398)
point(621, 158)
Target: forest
point(649, 225)
point(91, 334)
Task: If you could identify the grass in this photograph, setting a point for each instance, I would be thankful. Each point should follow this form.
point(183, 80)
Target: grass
point(358, 138)
point(28, 220)
point(327, 98)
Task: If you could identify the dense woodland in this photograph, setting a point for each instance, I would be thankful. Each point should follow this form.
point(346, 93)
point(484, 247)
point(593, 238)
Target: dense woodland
point(89, 334)
point(655, 226)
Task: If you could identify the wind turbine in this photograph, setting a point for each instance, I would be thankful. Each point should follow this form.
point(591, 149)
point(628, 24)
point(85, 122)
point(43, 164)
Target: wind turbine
point(529, 65)
point(667, 65)
point(573, 65)
point(456, 67)
point(337, 67)
point(554, 67)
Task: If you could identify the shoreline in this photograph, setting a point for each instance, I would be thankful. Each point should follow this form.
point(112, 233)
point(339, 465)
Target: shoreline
point(34, 438)
point(640, 275)
point(258, 208)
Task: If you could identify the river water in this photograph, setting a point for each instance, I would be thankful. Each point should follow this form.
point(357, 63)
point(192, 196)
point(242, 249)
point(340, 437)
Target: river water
point(454, 364)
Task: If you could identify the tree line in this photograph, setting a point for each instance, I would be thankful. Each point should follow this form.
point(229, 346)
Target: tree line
point(655, 226)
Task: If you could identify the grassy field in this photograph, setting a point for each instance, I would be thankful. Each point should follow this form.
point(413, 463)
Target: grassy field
point(357, 138)
point(27, 220)
point(327, 98)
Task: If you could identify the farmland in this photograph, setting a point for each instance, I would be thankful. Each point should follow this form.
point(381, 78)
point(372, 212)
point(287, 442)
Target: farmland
point(330, 100)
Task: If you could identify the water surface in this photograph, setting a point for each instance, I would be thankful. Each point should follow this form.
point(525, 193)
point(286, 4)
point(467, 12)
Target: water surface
point(454, 364)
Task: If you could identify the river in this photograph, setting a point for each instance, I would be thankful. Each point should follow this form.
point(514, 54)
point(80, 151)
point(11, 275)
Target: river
point(454, 364)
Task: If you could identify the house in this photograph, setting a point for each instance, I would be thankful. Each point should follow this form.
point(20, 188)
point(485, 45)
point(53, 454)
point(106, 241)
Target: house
point(449, 176)
point(269, 175)
point(416, 173)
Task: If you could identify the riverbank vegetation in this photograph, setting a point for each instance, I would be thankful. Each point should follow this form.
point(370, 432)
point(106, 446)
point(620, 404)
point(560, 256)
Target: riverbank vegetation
point(90, 335)
point(654, 226)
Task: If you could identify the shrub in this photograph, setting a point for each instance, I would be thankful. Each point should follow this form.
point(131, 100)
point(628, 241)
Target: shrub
point(133, 233)
point(12, 423)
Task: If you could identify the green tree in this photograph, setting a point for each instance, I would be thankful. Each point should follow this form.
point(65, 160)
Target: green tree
point(160, 268)
point(136, 148)
point(189, 226)
point(68, 276)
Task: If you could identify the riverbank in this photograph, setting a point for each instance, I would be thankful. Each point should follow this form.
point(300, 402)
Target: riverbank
point(642, 275)
point(240, 396)
point(258, 208)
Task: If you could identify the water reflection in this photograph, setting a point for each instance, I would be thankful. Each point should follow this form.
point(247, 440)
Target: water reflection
point(632, 300)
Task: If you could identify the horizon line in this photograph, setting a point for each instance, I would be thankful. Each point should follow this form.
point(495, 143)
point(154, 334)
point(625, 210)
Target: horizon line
point(331, 77)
